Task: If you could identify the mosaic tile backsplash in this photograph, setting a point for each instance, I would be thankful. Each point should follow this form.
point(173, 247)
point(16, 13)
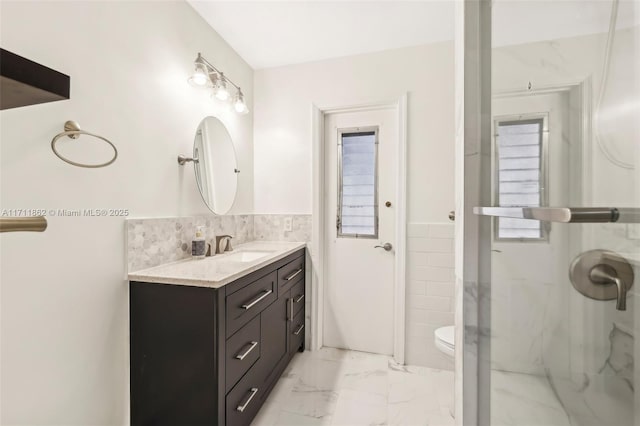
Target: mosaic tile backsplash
point(152, 242)
point(270, 227)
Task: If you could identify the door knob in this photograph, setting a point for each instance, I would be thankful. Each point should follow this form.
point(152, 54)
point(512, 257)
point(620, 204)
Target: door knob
point(602, 275)
point(386, 247)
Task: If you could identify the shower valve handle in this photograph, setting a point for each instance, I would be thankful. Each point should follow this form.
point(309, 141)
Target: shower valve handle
point(602, 275)
point(605, 274)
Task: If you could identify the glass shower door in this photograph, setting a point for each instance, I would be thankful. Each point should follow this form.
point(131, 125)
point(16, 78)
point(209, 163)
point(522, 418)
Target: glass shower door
point(565, 163)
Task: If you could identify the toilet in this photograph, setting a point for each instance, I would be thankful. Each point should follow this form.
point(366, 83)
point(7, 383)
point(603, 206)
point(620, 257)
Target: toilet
point(444, 340)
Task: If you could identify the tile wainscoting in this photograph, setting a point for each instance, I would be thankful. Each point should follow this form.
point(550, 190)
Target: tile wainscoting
point(430, 291)
point(154, 241)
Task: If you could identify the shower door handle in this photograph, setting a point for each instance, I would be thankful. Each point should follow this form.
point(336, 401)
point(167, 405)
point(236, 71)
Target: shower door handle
point(564, 214)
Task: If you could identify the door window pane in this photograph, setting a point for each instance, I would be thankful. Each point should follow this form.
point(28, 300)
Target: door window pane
point(358, 183)
point(519, 158)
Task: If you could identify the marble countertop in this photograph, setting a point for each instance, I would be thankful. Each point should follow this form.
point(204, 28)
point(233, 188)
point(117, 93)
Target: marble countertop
point(219, 270)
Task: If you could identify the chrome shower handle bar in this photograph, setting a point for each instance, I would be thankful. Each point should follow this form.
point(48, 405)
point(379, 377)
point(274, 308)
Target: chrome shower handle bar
point(564, 214)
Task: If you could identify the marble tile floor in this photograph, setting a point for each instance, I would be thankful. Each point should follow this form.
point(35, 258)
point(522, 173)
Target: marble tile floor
point(524, 400)
point(349, 388)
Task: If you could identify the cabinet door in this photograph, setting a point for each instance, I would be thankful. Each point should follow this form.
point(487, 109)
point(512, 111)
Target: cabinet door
point(173, 355)
point(273, 324)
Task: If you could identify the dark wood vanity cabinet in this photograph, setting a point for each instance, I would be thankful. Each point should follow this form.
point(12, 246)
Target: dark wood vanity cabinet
point(203, 356)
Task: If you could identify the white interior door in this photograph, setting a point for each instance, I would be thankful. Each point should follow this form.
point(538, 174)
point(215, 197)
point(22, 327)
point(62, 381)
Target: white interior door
point(360, 195)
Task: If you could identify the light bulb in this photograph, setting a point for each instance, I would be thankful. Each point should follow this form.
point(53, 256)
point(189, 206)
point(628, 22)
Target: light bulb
point(220, 89)
point(238, 103)
point(199, 76)
point(222, 94)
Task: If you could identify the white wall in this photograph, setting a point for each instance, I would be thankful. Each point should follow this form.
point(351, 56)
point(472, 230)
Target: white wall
point(282, 127)
point(283, 150)
point(64, 329)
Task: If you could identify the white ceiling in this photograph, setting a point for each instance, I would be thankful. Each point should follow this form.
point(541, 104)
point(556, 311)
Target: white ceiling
point(270, 34)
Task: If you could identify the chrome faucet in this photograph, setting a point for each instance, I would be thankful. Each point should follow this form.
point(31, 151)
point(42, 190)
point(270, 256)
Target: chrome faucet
point(223, 243)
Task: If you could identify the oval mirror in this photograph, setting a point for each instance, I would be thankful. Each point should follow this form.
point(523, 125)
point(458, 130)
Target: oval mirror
point(216, 167)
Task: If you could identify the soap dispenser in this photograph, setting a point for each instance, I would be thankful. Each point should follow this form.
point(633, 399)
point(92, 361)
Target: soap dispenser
point(199, 244)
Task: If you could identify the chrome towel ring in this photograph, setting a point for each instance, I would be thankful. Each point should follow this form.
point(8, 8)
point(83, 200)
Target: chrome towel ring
point(72, 130)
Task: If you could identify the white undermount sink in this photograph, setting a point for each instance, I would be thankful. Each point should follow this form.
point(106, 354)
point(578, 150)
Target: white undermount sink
point(246, 256)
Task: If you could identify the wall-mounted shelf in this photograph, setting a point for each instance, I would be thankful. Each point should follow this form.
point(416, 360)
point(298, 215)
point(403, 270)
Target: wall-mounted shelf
point(24, 82)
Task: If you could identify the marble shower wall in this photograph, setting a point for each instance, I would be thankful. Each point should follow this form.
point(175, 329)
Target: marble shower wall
point(584, 348)
point(581, 350)
point(154, 241)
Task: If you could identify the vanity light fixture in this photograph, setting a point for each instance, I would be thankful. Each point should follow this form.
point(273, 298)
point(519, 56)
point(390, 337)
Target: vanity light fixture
point(238, 103)
point(220, 88)
point(200, 75)
point(206, 75)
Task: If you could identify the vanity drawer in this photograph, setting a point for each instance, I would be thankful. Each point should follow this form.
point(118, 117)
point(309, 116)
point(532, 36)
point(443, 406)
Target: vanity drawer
point(247, 302)
point(245, 399)
point(242, 351)
point(290, 274)
point(296, 332)
point(297, 294)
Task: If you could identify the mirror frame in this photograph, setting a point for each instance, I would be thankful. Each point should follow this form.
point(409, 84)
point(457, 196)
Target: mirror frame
point(197, 163)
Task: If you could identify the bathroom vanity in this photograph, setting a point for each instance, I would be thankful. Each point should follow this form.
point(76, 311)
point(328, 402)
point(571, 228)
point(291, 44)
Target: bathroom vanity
point(210, 338)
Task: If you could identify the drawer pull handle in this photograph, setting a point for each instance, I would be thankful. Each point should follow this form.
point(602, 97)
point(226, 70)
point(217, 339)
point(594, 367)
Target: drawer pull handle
point(295, 274)
point(299, 298)
point(243, 407)
point(252, 304)
point(299, 330)
point(252, 347)
point(291, 310)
